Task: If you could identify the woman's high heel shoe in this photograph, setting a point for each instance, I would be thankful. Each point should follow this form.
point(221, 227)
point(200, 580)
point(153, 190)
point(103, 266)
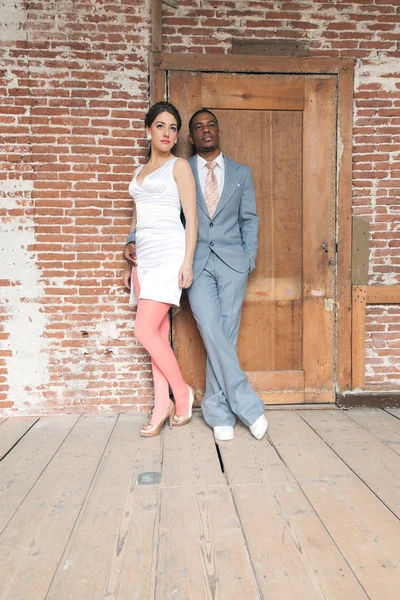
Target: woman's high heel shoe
point(183, 419)
point(149, 430)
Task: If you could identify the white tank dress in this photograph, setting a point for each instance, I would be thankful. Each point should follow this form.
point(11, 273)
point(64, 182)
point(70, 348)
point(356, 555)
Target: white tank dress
point(160, 235)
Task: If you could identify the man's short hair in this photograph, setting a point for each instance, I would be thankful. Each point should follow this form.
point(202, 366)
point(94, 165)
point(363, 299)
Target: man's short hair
point(198, 112)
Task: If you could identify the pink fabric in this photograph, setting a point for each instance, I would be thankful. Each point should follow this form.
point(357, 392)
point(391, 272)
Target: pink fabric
point(152, 331)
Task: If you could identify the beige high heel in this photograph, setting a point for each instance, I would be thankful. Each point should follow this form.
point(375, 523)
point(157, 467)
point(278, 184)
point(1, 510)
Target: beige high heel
point(183, 419)
point(149, 430)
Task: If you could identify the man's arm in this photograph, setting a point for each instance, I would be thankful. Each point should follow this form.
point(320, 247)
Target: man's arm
point(130, 244)
point(248, 219)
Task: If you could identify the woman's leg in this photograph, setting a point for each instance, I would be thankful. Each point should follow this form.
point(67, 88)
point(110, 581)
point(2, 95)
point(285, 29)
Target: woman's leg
point(150, 330)
point(161, 387)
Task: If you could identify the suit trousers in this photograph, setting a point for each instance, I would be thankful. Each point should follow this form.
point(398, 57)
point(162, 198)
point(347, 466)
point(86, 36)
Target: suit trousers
point(216, 298)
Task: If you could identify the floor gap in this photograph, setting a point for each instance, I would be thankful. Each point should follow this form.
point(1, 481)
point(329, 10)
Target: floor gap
point(18, 441)
point(221, 462)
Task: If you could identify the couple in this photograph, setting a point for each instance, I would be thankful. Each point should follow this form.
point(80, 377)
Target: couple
point(212, 256)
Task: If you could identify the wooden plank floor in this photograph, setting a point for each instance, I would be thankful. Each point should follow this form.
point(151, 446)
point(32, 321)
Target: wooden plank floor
point(89, 510)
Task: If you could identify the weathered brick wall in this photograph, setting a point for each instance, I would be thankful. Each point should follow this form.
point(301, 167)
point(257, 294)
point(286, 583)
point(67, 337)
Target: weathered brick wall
point(74, 90)
point(74, 93)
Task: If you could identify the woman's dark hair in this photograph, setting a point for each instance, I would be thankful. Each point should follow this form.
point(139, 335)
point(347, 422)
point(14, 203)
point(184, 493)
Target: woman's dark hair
point(160, 107)
point(157, 109)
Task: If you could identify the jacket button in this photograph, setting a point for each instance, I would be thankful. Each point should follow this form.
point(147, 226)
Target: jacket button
point(211, 224)
point(211, 243)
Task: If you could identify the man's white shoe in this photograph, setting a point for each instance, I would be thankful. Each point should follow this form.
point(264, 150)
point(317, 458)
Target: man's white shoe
point(259, 427)
point(223, 433)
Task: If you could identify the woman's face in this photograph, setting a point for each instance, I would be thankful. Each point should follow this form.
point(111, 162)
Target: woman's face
point(164, 132)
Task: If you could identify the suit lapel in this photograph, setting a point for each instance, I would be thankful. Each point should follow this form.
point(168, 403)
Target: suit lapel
point(231, 181)
point(199, 194)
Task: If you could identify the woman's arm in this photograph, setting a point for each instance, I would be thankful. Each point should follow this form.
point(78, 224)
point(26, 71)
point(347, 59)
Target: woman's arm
point(187, 192)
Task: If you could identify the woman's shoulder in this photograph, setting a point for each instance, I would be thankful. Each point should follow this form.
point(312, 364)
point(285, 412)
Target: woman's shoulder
point(181, 165)
point(180, 161)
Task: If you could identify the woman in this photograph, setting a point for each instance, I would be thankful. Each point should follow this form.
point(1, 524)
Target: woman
point(162, 266)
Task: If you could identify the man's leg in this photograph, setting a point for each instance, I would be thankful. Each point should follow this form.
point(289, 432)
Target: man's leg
point(232, 289)
point(204, 301)
point(230, 323)
point(206, 296)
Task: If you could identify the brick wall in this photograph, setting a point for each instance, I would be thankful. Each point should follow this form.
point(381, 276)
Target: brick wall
point(74, 93)
point(74, 90)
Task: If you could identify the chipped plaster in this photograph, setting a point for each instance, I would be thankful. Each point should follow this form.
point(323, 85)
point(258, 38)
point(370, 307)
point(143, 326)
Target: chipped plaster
point(380, 69)
point(25, 322)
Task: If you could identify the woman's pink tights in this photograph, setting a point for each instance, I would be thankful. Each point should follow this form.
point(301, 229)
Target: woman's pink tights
point(152, 331)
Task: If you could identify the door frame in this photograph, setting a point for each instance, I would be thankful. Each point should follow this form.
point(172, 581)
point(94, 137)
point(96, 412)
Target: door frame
point(343, 69)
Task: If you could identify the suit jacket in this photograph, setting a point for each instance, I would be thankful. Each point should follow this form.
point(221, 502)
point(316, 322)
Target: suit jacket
point(232, 233)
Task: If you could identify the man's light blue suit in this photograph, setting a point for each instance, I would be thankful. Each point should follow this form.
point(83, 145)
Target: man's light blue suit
point(224, 258)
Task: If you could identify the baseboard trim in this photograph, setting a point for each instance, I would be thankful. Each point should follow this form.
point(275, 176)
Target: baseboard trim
point(372, 399)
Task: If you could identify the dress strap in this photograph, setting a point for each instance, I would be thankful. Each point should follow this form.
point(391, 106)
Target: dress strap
point(137, 171)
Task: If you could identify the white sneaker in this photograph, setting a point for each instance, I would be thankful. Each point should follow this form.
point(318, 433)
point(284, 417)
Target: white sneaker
point(223, 433)
point(259, 427)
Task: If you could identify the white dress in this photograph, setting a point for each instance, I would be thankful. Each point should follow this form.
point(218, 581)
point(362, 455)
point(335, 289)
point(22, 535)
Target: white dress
point(160, 235)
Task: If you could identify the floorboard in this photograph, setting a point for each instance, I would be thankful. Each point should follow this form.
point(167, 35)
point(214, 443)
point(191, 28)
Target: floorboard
point(35, 538)
point(112, 549)
point(202, 552)
point(364, 530)
point(295, 556)
point(371, 460)
point(380, 423)
point(22, 467)
point(394, 411)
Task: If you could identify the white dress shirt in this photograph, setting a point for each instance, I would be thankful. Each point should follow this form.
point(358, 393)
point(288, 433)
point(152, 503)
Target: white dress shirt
point(219, 172)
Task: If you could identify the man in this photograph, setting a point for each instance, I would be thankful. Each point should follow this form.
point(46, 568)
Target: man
point(224, 258)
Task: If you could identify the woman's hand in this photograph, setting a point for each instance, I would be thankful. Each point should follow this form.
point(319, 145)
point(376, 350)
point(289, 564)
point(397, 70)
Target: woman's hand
point(130, 254)
point(126, 277)
point(185, 275)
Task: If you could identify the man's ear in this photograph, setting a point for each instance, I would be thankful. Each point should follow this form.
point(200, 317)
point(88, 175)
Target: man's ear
point(191, 140)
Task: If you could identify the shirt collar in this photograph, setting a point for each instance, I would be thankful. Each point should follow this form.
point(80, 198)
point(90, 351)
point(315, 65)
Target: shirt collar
point(202, 162)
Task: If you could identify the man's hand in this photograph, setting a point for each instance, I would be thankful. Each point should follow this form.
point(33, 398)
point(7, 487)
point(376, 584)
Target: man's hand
point(130, 254)
point(127, 277)
point(185, 276)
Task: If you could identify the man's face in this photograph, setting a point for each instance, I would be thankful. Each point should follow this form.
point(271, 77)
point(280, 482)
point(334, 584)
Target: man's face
point(205, 133)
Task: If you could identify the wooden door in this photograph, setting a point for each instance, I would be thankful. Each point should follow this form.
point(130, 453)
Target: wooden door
point(284, 127)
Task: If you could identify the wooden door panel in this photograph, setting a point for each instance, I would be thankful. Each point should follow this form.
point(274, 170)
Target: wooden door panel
point(271, 336)
point(252, 92)
point(284, 128)
point(184, 90)
point(260, 288)
point(270, 142)
point(278, 387)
